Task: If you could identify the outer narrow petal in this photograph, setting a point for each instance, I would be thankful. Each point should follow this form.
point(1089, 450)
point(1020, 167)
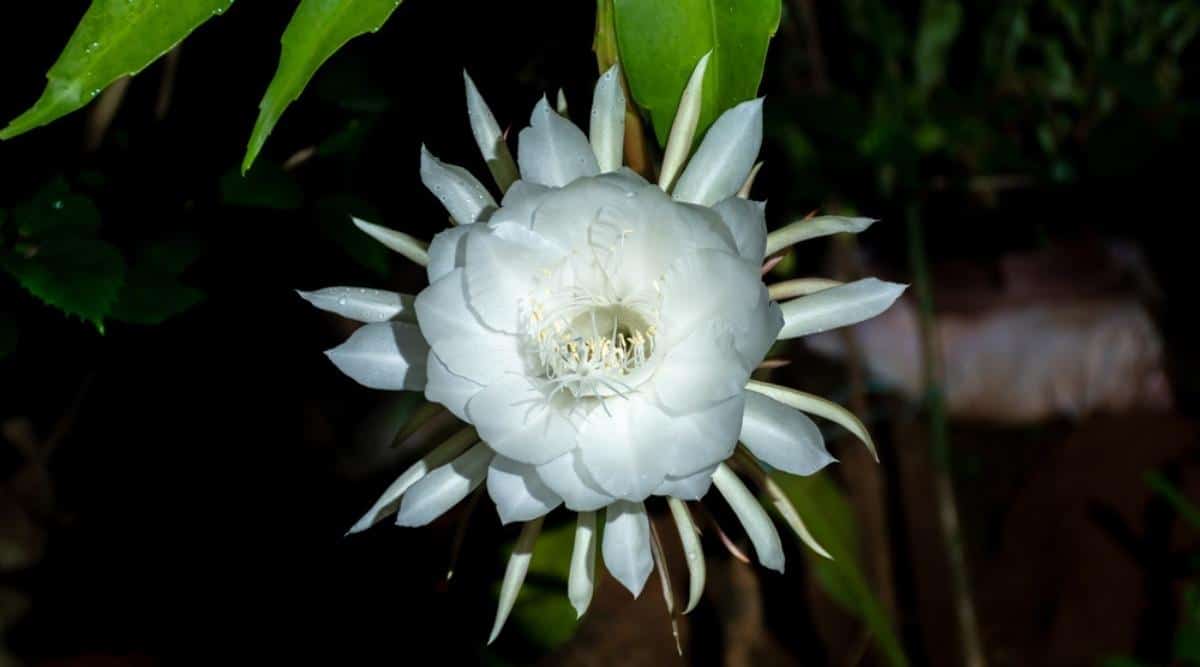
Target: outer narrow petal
point(465, 198)
point(723, 161)
point(607, 129)
point(582, 574)
point(812, 228)
point(683, 126)
point(389, 501)
point(552, 151)
point(838, 307)
point(754, 518)
point(627, 544)
point(690, 487)
point(518, 492)
point(689, 537)
point(620, 445)
point(514, 574)
point(489, 138)
point(567, 477)
point(363, 304)
point(413, 249)
point(384, 355)
point(444, 487)
point(519, 421)
point(817, 406)
point(747, 221)
point(783, 436)
point(448, 389)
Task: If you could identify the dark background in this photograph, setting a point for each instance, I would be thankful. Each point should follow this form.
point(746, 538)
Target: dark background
point(194, 479)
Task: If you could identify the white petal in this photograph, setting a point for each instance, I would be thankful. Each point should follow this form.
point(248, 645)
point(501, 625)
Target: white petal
point(704, 438)
point(389, 501)
point(447, 250)
point(721, 164)
point(465, 198)
point(744, 192)
point(518, 420)
point(838, 307)
point(817, 406)
point(788, 512)
point(689, 537)
point(783, 436)
point(520, 202)
point(567, 477)
point(620, 445)
point(444, 487)
point(706, 285)
point(607, 129)
point(514, 574)
point(754, 518)
point(627, 544)
point(552, 151)
point(363, 304)
point(518, 493)
point(461, 341)
point(812, 228)
point(691, 487)
point(489, 138)
point(747, 222)
point(759, 331)
point(448, 389)
point(500, 270)
point(384, 355)
point(700, 371)
point(683, 126)
point(413, 249)
point(581, 576)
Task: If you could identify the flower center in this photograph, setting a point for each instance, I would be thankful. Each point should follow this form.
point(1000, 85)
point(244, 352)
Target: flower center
point(587, 346)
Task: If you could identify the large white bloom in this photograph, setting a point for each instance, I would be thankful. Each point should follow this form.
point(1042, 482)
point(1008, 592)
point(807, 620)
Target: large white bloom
point(597, 332)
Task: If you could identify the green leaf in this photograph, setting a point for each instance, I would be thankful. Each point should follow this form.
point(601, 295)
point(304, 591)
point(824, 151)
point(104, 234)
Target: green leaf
point(333, 221)
point(830, 518)
point(267, 185)
point(77, 276)
point(940, 23)
point(152, 293)
point(660, 42)
point(8, 335)
point(114, 38)
point(56, 211)
point(317, 30)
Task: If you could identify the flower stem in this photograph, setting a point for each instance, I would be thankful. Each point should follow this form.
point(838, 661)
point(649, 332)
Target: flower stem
point(939, 435)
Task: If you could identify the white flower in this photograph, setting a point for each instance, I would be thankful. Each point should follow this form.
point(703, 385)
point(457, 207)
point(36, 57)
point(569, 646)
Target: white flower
point(597, 332)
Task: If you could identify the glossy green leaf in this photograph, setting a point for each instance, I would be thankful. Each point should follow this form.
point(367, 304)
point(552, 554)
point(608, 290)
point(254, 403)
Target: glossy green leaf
point(831, 520)
point(317, 30)
point(114, 38)
point(77, 276)
point(660, 42)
